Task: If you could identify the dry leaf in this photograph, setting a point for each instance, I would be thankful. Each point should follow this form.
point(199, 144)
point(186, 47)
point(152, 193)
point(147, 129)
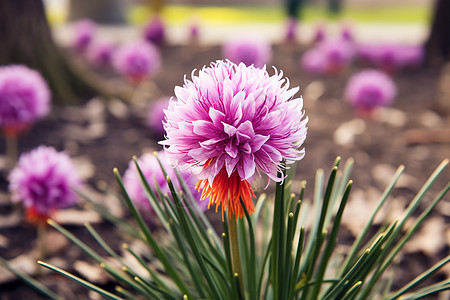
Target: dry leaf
point(430, 239)
point(91, 271)
point(76, 217)
point(346, 132)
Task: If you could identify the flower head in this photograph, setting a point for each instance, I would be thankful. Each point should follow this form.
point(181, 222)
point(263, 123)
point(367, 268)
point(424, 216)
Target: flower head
point(24, 98)
point(156, 115)
point(319, 34)
point(137, 60)
point(83, 34)
point(248, 50)
point(100, 53)
point(370, 89)
point(338, 53)
point(291, 29)
point(43, 180)
point(230, 122)
point(153, 173)
point(313, 61)
point(155, 31)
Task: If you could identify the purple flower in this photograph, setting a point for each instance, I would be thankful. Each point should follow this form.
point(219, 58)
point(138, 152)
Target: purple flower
point(291, 30)
point(154, 31)
point(230, 122)
point(313, 61)
point(391, 57)
point(368, 90)
point(83, 34)
point(156, 115)
point(319, 35)
point(100, 53)
point(43, 180)
point(194, 31)
point(153, 173)
point(337, 53)
point(137, 60)
point(347, 34)
point(412, 55)
point(24, 98)
point(248, 50)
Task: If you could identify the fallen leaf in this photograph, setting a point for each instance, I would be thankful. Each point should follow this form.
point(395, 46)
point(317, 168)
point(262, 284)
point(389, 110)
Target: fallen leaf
point(430, 239)
point(346, 132)
point(76, 217)
point(91, 271)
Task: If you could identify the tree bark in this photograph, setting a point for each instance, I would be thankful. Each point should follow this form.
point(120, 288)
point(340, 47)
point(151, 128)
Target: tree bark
point(26, 39)
point(437, 46)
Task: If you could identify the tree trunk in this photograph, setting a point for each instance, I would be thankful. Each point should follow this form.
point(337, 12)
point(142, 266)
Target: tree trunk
point(26, 39)
point(437, 46)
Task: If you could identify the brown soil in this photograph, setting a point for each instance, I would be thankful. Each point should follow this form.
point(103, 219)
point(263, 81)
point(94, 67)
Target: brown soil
point(380, 146)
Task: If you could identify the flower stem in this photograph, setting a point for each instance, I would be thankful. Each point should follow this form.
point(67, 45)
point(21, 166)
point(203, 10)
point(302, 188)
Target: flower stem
point(11, 150)
point(235, 253)
point(41, 233)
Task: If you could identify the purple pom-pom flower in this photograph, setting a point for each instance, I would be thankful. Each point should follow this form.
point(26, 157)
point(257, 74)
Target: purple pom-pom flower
point(313, 61)
point(291, 30)
point(248, 50)
point(137, 60)
point(155, 31)
point(100, 53)
point(229, 123)
point(43, 180)
point(24, 98)
point(151, 169)
point(337, 53)
point(83, 32)
point(368, 90)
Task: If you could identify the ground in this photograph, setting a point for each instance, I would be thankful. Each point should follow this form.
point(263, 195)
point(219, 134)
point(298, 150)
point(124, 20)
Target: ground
point(103, 135)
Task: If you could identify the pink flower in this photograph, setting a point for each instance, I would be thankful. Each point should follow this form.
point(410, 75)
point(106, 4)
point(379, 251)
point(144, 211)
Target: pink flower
point(83, 34)
point(156, 115)
point(368, 90)
point(391, 57)
point(291, 29)
point(319, 35)
point(229, 123)
point(100, 53)
point(154, 31)
point(137, 60)
point(153, 173)
point(43, 180)
point(24, 98)
point(313, 61)
point(338, 54)
point(248, 50)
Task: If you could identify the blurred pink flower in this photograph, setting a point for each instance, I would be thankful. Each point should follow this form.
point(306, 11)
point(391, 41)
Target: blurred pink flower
point(24, 98)
point(291, 30)
point(338, 54)
point(153, 173)
point(83, 32)
point(155, 117)
point(100, 53)
point(43, 180)
point(390, 57)
point(319, 34)
point(230, 122)
point(154, 31)
point(313, 61)
point(137, 60)
point(248, 50)
point(347, 33)
point(368, 90)
point(329, 56)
